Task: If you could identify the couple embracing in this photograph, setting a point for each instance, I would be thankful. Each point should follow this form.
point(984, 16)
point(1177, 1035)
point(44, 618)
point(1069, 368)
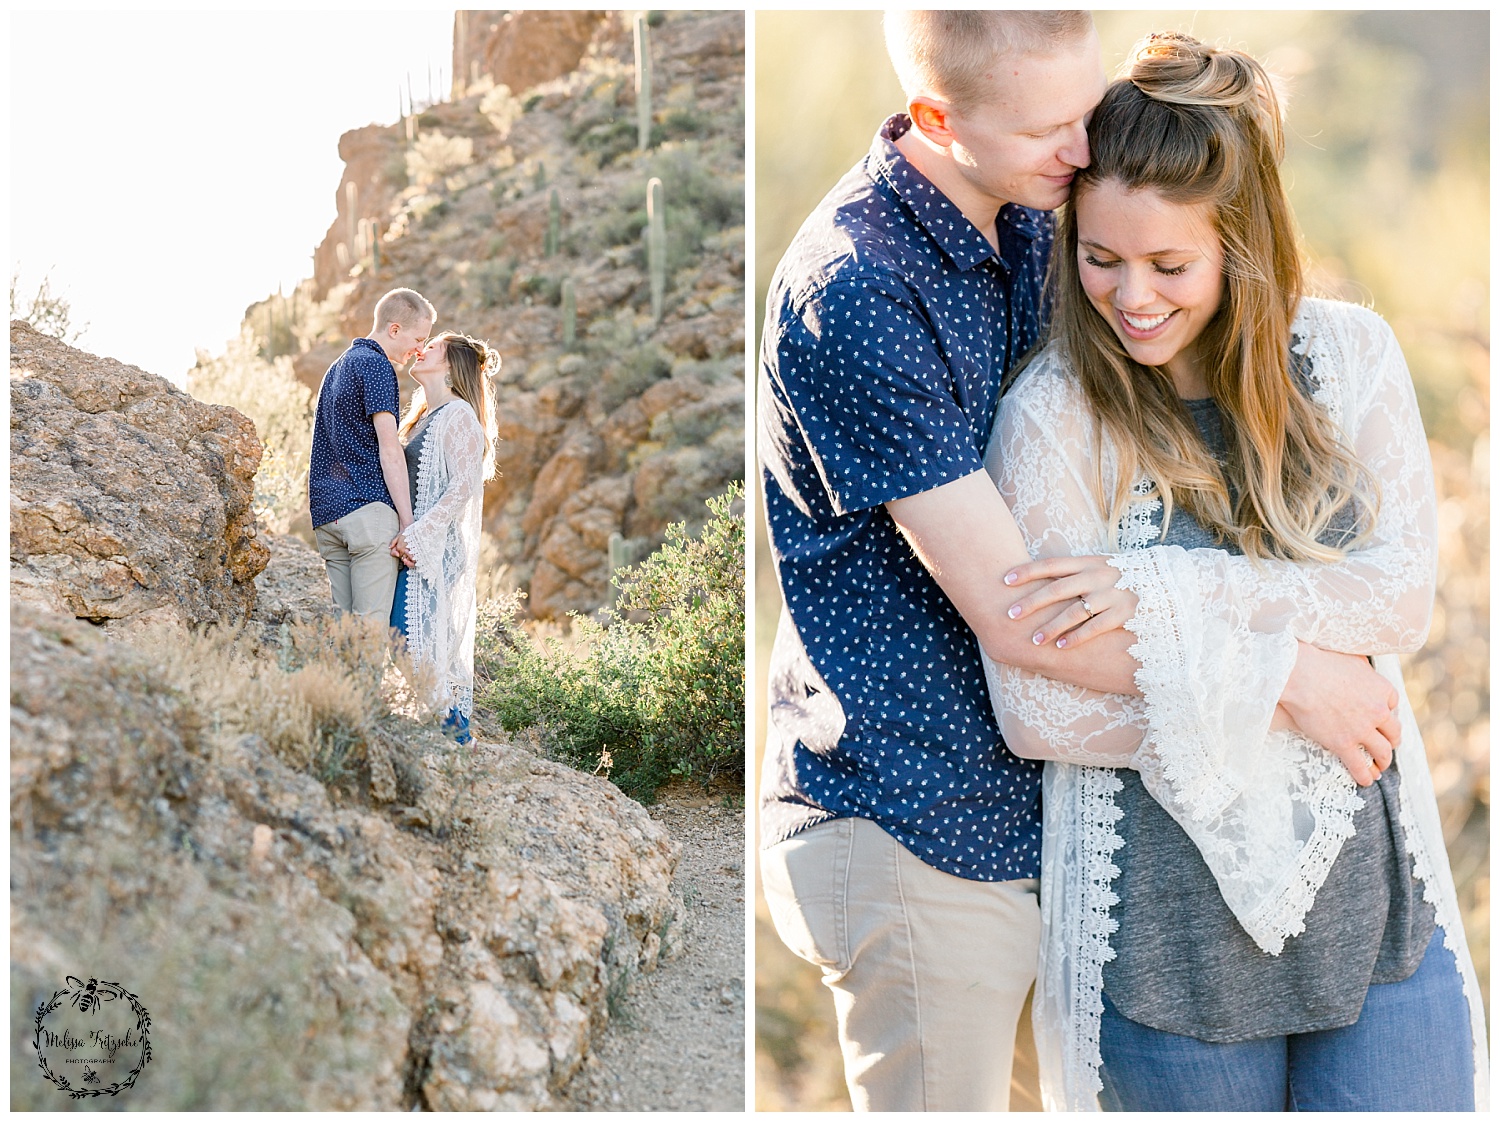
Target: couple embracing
point(1095, 683)
point(396, 507)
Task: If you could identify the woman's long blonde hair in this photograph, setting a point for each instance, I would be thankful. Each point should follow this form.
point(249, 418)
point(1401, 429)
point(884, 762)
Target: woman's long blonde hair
point(472, 363)
point(1199, 125)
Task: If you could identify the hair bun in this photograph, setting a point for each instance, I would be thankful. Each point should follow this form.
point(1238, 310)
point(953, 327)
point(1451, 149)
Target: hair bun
point(1177, 69)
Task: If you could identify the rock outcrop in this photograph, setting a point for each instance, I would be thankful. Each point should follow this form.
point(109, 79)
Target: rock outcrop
point(127, 496)
point(519, 49)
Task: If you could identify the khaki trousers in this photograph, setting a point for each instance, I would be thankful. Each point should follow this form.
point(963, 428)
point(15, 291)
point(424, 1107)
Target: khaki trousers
point(929, 971)
point(357, 551)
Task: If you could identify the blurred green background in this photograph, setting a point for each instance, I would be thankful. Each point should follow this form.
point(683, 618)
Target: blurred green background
point(1388, 169)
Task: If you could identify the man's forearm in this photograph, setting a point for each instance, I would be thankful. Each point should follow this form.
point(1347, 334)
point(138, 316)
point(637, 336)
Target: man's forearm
point(393, 465)
point(398, 483)
point(966, 537)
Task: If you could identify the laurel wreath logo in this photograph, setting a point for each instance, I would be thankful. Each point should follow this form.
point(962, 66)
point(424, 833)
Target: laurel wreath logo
point(87, 997)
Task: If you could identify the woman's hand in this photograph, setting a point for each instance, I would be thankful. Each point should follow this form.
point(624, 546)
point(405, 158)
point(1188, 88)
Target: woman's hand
point(402, 552)
point(1342, 703)
point(1084, 586)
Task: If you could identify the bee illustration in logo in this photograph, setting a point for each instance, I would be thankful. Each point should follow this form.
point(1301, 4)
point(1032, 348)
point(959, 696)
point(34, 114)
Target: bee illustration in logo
point(90, 1075)
point(87, 995)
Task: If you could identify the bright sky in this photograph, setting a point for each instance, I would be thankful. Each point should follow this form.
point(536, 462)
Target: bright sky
point(170, 168)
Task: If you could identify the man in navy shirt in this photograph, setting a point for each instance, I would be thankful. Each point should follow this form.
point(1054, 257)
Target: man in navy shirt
point(903, 839)
point(357, 485)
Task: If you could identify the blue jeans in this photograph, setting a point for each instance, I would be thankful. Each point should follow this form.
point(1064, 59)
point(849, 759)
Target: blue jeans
point(455, 724)
point(1411, 1049)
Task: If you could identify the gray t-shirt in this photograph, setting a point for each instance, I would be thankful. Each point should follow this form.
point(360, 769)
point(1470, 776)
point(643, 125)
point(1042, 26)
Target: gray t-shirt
point(1184, 965)
point(413, 448)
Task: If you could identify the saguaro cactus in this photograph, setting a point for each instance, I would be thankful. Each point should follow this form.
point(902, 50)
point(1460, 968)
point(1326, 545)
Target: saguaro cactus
point(351, 214)
point(623, 551)
point(569, 314)
point(656, 246)
point(642, 82)
point(554, 226)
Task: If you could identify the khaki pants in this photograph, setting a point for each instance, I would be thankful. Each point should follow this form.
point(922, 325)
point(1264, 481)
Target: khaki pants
point(357, 551)
point(929, 971)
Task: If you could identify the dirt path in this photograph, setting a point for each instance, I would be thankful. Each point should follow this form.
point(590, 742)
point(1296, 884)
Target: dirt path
point(677, 1041)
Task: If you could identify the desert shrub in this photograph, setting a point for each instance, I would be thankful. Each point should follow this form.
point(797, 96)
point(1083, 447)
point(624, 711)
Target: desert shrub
point(281, 408)
point(686, 122)
point(435, 213)
point(637, 371)
point(654, 692)
point(692, 179)
point(502, 109)
point(47, 312)
point(542, 288)
point(394, 172)
point(435, 155)
point(608, 140)
point(493, 278)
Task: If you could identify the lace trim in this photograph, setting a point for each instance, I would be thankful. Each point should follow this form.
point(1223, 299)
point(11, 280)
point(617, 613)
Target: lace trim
point(439, 606)
point(1159, 648)
point(1138, 527)
point(1334, 802)
point(417, 622)
point(1097, 842)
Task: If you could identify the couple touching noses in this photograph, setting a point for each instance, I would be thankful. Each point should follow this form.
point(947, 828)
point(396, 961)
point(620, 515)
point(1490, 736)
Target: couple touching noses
point(396, 507)
point(1094, 684)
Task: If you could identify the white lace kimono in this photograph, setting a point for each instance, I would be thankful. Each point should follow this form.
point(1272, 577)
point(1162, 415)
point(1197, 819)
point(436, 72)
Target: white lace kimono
point(1216, 638)
point(444, 538)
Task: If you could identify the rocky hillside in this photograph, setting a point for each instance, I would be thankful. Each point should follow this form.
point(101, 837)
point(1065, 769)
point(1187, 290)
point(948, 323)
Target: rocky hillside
point(519, 207)
point(322, 902)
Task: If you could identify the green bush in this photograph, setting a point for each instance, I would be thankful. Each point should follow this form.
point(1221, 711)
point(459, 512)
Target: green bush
point(656, 691)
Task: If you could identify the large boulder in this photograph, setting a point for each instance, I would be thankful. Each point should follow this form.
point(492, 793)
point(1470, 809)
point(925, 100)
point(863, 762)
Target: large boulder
point(520, 49)
point(127, 496)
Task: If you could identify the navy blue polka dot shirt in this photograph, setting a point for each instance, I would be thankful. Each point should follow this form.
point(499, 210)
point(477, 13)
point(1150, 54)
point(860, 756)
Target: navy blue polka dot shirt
point(344, 470)
point(889, 325)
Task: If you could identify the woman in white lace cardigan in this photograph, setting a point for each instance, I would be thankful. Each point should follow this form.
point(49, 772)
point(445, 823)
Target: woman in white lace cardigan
point(1187, 381)
point(449, 438)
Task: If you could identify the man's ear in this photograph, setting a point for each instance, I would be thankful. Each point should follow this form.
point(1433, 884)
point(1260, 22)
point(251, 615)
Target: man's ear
point(931, 117)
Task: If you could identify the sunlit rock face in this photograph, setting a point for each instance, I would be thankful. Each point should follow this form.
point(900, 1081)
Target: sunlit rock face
point(128, 497)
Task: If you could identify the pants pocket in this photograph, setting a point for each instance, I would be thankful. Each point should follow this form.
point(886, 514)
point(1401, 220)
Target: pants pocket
point(805, 880)
point(370, 527)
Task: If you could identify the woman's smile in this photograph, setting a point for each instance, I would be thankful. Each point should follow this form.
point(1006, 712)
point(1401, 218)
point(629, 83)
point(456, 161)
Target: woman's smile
point(1145, 327)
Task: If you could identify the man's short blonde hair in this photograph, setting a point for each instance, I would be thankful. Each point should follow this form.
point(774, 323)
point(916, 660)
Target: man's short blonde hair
point(951, 55)
point(403, 306)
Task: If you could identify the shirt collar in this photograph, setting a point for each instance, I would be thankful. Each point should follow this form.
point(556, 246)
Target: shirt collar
point(366, 341)
point(959, 238)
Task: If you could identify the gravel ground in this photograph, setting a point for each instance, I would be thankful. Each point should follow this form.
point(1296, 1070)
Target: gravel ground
point(678, 1040)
